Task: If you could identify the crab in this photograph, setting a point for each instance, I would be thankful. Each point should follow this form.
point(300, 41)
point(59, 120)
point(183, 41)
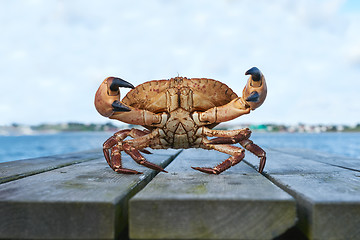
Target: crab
point(179, 113)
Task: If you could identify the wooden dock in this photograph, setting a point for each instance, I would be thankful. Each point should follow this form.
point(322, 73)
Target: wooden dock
point(301, 195)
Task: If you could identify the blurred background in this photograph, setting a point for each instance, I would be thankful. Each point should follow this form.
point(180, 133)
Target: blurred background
point(54, 54)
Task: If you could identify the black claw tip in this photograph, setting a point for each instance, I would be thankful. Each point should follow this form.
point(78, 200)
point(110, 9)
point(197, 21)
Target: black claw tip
point(254, 97)
point(118, 82)
point(255, 73)
point(119, 107)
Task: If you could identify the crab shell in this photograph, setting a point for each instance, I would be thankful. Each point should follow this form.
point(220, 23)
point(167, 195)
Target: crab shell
point(206, 94)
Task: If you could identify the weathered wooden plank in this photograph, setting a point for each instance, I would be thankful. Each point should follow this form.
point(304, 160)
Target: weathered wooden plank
point(18, 169)
point(332, 159)
point(81, 201)
point(328, 196)
point(187, 204)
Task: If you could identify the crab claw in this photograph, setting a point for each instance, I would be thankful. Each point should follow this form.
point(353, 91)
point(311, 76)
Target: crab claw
point(107, 97)
point(255, 90)
point(254, 97)
point(118, 82)
point(119, 107)
point(255, 73)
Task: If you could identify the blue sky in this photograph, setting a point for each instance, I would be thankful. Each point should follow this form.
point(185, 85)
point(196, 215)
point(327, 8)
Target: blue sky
point(54, 54)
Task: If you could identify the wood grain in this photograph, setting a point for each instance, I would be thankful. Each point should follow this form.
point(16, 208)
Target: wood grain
point(10, 171)
point(327, 193)
point(187, 204)
point(87, 200)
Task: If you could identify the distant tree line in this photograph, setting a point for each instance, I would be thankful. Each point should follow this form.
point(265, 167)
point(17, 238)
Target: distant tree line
point(74, 127)
point(109, 126)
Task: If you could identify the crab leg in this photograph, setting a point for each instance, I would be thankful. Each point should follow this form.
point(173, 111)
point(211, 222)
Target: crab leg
point(133, 146)
point(237, 155)
point(237, 136)
point(119, 136)
point(116, 164)
point(135, 154)
point(255, 149)
point(141, 140)
point(226, 136)
point(114, 160)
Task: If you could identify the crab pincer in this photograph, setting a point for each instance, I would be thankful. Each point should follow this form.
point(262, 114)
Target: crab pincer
point(107, 98)
point(255, 90)
point(116, 83)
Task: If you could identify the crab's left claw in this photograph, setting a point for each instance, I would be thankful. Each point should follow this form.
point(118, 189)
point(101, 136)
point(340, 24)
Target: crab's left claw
point(255, 90)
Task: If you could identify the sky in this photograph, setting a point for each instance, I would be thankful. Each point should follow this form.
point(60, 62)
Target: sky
point(54, 54)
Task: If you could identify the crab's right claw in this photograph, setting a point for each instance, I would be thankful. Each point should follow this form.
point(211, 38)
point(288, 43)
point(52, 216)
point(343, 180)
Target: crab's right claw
point(255, 90)
point(107, 97)
point(255, 74)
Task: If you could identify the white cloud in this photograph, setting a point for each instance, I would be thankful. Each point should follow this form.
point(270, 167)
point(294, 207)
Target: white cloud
point(57, 53)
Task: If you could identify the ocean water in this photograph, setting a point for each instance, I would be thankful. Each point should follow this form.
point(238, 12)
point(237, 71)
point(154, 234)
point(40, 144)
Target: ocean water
point(23, 147)
point(30, 146)
point(338, 143)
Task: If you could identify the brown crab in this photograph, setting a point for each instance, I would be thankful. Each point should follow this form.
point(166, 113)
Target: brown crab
point(179, 113)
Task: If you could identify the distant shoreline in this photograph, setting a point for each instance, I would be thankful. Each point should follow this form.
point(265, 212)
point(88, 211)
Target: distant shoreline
point(18, 129)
